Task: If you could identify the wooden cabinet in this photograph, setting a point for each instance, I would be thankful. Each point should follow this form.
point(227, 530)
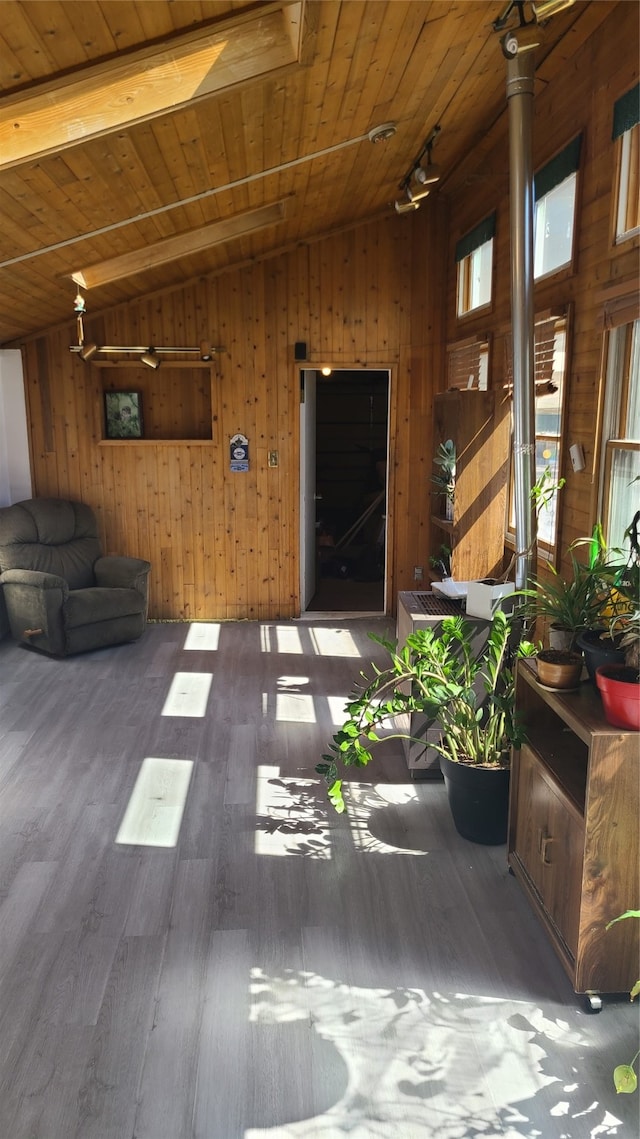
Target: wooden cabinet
point(479, 424)
point(573, 831)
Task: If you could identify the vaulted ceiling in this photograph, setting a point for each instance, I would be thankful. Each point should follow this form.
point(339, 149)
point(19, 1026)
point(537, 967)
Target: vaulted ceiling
point(147, 143)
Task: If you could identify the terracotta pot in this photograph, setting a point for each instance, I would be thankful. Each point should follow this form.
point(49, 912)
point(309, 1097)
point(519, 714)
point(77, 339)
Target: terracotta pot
point(559, 668)
point(620, 692)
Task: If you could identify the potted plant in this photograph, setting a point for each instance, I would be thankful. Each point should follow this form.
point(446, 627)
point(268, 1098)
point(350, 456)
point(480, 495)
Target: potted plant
point(445, 479)
point(619, 684)
point(572, 604)
point(471, 697)
point(611, 634)
point(559, 668)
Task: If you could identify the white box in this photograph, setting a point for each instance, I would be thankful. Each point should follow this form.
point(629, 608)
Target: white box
point(483, 598)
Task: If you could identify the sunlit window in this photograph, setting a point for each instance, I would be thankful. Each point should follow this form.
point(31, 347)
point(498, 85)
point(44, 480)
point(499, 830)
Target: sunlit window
point(555, 205)
point(474, 258)
point(550, 356)
point(626, 131)
point(620, 457)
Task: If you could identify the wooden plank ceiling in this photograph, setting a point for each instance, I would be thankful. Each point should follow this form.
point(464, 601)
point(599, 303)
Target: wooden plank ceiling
point(171, 140)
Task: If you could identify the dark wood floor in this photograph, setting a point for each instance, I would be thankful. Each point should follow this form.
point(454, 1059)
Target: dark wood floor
point(281, 972)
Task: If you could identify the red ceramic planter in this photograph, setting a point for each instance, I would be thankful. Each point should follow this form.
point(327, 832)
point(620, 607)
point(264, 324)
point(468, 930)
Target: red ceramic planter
point(620, 697)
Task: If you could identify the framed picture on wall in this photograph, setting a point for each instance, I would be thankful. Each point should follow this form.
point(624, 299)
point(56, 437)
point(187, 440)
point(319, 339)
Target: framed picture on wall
point(123, 415)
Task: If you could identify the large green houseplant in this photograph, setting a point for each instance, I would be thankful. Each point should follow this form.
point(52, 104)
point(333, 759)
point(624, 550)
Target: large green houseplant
point(472, 698)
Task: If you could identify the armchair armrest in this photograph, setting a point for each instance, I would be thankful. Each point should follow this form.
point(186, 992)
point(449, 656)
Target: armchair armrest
point(122, 573)
point(35, 601)
point(37, 579)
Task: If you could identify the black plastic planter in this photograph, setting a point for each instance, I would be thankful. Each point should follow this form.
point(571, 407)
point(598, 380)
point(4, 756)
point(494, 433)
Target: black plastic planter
point(478, 799)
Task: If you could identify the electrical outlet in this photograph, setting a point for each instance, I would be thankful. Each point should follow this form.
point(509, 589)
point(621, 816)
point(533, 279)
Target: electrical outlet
point(418, 573)
point(273, 458)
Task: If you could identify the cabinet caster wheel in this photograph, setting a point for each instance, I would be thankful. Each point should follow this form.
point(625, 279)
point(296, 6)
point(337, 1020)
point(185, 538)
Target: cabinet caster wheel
point(594, 1002)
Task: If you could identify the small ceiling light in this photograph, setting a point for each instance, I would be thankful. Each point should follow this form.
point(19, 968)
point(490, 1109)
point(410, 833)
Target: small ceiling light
point(150, 358)
point(326, 371)
point(406, 207)
point(78, 303)
point(205, 350)
point(548, 8)
point(382, 133)
point(87, 351)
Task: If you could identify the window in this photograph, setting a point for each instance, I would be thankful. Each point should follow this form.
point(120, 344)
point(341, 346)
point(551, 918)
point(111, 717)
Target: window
point(555, 201)
point(626, 117)
point(550, 359)
point(474, 258)
point(620, 455)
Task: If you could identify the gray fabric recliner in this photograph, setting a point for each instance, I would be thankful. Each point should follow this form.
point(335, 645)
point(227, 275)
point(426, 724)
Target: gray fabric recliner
point(61, 595)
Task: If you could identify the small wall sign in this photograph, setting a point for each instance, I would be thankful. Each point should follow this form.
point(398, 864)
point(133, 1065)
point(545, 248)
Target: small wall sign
point(239, 452)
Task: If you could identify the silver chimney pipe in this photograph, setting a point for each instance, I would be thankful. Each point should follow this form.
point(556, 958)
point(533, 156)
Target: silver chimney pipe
point(520, 71)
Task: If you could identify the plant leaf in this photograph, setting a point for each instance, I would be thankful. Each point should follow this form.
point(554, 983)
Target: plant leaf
point(335, 796)
point(625, 1079)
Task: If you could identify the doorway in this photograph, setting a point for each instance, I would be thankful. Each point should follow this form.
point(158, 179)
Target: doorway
point(344, 450)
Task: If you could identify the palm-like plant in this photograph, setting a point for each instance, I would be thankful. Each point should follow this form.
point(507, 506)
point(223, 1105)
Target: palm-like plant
point(438, 675)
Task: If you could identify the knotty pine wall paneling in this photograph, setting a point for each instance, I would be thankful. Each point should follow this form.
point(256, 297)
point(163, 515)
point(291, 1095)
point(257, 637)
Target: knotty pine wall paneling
point(225, 545)
point(603, 68)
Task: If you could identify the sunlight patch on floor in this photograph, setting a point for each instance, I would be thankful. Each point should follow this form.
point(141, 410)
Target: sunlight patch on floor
point(430, 1065)
point(188, 694)
point(333, 642)
point(154, 812)
point(203, 635)
point(291, 816)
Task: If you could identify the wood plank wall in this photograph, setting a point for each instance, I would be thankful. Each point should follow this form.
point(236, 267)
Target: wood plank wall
point(582, 99)
point(225, 545)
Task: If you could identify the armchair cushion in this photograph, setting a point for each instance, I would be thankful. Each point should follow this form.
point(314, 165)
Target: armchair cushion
point(61, 594)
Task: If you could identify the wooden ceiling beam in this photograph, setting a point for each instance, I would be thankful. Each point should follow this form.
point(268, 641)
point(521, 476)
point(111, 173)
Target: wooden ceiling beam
point(174, 248)
point(144, 84)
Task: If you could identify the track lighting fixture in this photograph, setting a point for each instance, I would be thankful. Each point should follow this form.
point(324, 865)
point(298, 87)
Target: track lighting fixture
point(425, 173)
point(406, 207)
point(150, 358)
point(541, 10)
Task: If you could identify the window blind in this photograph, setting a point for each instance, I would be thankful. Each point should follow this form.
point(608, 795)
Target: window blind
point(626, 112)
point(484, 231)
point(559, 168)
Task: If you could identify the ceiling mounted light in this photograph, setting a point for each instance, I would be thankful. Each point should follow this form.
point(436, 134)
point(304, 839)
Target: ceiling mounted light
point(406, 207)
point(206, 351)
point(87, 351)
point(382, 133)
point(548, 8)
point(150, 358)
point(326, 371)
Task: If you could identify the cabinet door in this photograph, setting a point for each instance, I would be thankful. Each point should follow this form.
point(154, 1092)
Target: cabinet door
point(549, 845)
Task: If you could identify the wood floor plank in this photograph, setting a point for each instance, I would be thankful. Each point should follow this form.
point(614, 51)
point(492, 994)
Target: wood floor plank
point(282, 972)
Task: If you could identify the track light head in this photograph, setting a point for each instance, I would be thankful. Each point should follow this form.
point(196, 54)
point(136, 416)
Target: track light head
point(87, 351)
point(427, 175)
point(545, 9)
point(205, 350)
point(150, 358)
point(406, 207)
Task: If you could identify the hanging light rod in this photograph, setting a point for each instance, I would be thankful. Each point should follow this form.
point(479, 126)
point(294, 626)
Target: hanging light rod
point(149, 354)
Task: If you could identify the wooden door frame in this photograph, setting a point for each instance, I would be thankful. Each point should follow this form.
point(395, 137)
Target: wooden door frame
point(390, 536)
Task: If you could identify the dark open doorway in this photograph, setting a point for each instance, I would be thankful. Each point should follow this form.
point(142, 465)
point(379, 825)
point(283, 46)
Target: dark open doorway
point(352, 415)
